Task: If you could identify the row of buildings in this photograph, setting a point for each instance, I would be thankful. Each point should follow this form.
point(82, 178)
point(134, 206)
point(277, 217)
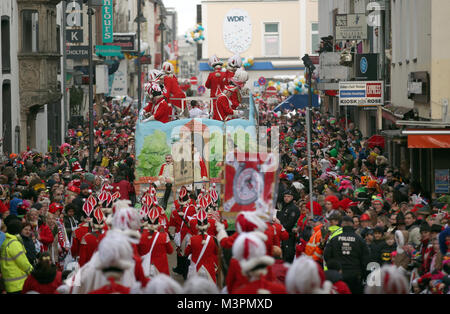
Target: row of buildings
point(403, 44)
point(44, 74)
point(392, 52)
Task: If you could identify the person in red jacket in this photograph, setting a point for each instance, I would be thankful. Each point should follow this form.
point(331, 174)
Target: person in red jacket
point(176, 222)
point(45, 277)
point(234, 66)
point(157, 109)
point(154, 246)
point(45, 236)
point(245, 222)
point(279, 233)
point(90, 241)
point(173, 92)
point(250, 251)
point(183, 216)
point(202, 250)
point(124, 187)
point(216, 80)
point(222, 108)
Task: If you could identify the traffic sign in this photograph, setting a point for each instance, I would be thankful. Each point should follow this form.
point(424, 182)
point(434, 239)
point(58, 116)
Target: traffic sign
point(194, 80)
point(271, 90)
point(108, 50)
point(262, 81)
point(201, 89)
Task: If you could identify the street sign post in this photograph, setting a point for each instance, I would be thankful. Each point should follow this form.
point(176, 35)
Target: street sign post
point(194, 80)
point(201, 89)
point(108, 51)
point(262, 81)
point(271, 91)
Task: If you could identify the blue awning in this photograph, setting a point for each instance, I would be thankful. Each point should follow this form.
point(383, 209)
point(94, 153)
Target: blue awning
point(297, 102)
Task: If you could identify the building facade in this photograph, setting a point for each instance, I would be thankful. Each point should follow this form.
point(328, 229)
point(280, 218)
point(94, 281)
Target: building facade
point(9, 78)
point(276, 34)
point(420, 65)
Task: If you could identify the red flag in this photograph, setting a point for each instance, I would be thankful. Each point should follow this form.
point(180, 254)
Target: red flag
point(249, 180)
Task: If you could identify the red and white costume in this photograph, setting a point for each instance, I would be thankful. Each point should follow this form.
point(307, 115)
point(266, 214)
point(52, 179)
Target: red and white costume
point(161, 111)
point(154, 248)
point(203, 251)
point(216, 82)
point(89, 244)
point(166, 172)
point(278, 233)
point(173, 91)
point(222, 108)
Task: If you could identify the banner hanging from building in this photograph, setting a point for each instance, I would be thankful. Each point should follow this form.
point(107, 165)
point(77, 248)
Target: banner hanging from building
point(107, 21)
point(118, 82)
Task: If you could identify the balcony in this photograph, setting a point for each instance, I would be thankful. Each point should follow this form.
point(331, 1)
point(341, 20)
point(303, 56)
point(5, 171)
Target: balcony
point(38, 83)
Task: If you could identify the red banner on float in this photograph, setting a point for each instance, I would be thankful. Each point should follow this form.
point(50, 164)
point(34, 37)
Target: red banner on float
point(249, 177)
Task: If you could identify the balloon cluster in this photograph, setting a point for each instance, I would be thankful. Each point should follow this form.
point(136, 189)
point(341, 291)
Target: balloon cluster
point(195, 35)
point(248, 62)
point(293, 87)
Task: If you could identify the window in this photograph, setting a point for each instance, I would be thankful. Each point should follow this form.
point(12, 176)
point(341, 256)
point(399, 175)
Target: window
point(315, 40)
point(6, 116)
point(58, 44)
point(6, 57)
point(30, 31)
point(271, 39)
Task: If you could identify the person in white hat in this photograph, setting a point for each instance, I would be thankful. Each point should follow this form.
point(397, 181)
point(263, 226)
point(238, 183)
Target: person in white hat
point(154, 245)
point(163, 284)
point(216, 79)
point(157, 108)
point(250, 250)
point(172, 90)
point(306, 276)
point(234, 63)
point(202, 250)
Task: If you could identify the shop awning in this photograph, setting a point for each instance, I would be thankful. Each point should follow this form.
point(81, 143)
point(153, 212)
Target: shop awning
point(428, 138)
point(297, 102)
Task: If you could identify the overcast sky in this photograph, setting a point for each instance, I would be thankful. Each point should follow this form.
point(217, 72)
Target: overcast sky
point(187, 13)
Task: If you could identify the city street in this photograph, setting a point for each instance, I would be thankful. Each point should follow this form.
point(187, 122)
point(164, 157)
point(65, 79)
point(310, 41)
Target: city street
point(218, 147)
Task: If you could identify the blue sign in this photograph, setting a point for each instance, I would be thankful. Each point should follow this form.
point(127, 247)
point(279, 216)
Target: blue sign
point(364, 65)
point(201, 89)
point(352, 93)
point(441, 181)
point(262, 81)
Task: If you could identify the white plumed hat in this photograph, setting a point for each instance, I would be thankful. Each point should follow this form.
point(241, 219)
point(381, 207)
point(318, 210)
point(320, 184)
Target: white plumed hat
point(250, 251)
point(114, 250)
point(391, 280)
point(305, 276)
point(199, 285)
point(163, 284)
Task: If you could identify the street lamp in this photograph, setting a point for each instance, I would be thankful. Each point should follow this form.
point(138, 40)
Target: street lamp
point(162, 28)
point(310, 67)
point(139, 19)
point(91, 91)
